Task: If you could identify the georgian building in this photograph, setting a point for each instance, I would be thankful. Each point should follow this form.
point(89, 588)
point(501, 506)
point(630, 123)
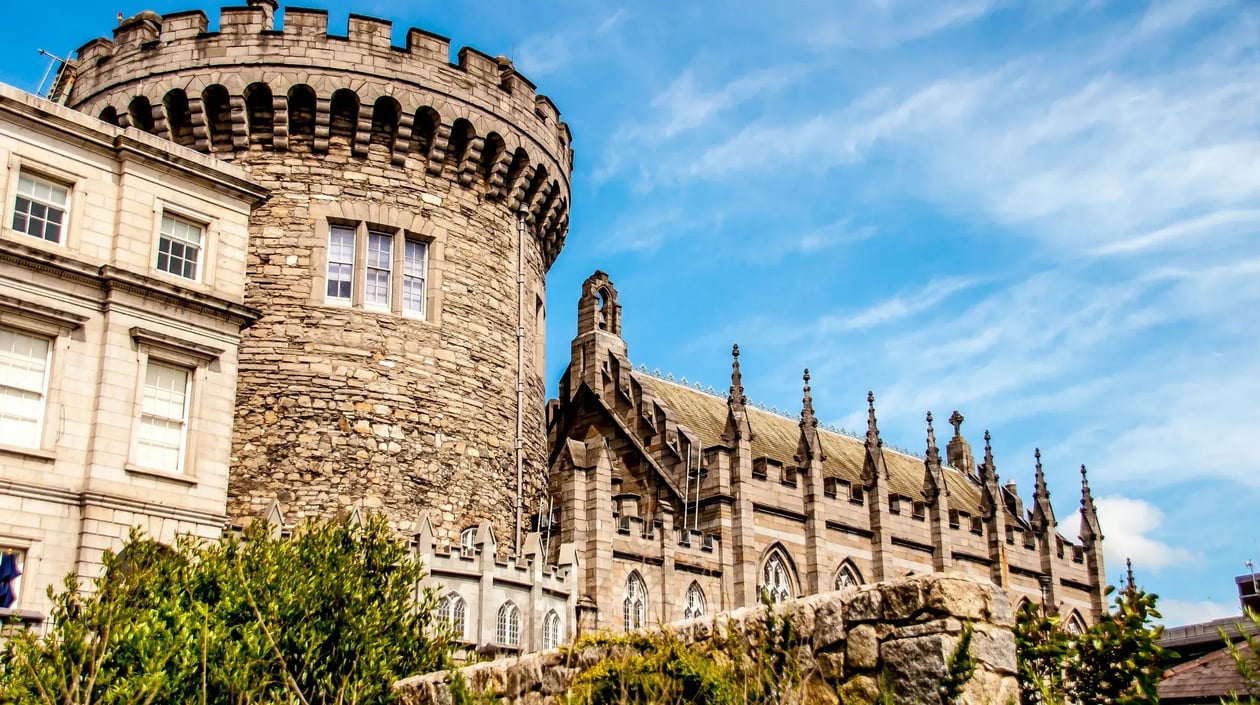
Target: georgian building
point(122, 274)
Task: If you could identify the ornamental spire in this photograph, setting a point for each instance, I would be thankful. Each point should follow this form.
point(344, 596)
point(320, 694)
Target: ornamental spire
point(933, 453)
point(1039, 486)
point(989, 469)
point(1087, 497)
point(1130, 583)
point(807, 405)
point(736, 396)
point(933, 478)
point(1043, 512)
point(872, 427)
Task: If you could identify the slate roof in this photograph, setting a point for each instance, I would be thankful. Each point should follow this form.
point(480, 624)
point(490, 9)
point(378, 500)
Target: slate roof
point(1204, 680)
point(776, 437)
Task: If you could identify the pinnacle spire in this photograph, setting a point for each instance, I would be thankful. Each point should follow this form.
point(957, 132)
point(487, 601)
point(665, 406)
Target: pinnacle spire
point(737, 379)
point(933, 453)
point(1130, 583)
point(807, 405)
point(872, 426)
point(990, 469)
point(1039, 488)
point(1087, 497)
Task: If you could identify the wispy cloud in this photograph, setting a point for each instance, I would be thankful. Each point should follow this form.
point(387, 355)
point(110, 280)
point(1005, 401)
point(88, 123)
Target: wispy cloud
point(880, 24)
point(544, 54)
point(1128, 525)
point(897, 308)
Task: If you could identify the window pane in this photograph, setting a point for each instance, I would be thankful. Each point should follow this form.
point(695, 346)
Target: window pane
point(39, 208)
point(340, 262)
point(163, 414)
point(179, 247)
point(23, 370)
point(379, 262)
point(415, 255)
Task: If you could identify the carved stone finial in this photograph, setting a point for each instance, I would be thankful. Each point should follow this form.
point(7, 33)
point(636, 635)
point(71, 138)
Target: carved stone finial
point(1039, 488)
point(990, 469)
point(1087, 497)
point(932, 451)
point(933, 481)
point(1131, 584)
point(737, 379)
point(956, 419)
point(872, 426)
point(807, 404)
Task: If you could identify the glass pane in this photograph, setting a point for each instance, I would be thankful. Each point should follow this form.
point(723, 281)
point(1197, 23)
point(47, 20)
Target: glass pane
point(20, 413)
point(165, 391)
point(23, 360)
point(380, 250)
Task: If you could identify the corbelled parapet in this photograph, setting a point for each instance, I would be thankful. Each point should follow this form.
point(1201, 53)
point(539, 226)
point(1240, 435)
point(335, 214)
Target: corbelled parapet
point(474, 120)
point(400, 263)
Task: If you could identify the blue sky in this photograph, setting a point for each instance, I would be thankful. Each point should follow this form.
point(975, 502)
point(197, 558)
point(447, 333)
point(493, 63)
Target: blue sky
point(1044, 214)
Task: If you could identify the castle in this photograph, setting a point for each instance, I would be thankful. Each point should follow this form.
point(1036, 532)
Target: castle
point(341, 248)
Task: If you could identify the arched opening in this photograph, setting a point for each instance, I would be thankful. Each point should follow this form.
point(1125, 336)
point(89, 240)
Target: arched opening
point(179, 118)
point(424, 131)
point(343, 114)
point(536, 184)
point(694, 604)
point(551, 630)
point(468, 541)
point(848, 576)
point(634, 602)
point(260, 113)
point(1074, 624)
point(454, 611)
point(462, 134)
point(218, 112)
point(301, 117)
point(491, 152)
point(520, 162)
point(140, 111)
point(508, 626)
point(109, 114)
point(777, 582)
point(385, 123)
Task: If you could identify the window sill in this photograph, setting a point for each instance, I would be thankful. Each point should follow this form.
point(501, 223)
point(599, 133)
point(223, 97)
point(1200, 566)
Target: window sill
point(39, 454)
point(161, 474)
point(28, 618)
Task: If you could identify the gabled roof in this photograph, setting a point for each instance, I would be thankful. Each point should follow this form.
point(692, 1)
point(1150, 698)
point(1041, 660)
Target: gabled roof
point(776, 437)
point(1205, 679)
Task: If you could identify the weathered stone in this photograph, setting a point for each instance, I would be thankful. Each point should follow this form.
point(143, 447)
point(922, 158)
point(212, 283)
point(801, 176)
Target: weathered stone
point(816, 689)
point(959, 597)
point(859, 689)
point(936, 626)
point(828, 626)
point(994, 648)
point(865, 606)
point(902, 599)
point(831, 665)
point(863, 647)
point(915, 666)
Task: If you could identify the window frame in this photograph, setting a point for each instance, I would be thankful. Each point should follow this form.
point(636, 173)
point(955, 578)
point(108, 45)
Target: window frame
point(507, 625)
point(39, 320)
point(23, 550)
point(634, 602)
point(152, 363)
point(201, 264)
point(551, 630)
point(72, 182)
point(38, 179)
point(45, 383)
point(701, 603)
point(453, 609)
point(361, 265)
point(787, 590)
point(155, 346)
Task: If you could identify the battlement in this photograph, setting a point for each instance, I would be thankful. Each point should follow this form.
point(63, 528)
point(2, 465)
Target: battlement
point(305, 34)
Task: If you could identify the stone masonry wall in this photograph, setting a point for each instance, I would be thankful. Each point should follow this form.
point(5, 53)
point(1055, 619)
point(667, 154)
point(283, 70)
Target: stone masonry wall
point(905, 630)
point(342, 405)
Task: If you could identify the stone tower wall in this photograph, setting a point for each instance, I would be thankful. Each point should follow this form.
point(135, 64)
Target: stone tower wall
point(342, 405)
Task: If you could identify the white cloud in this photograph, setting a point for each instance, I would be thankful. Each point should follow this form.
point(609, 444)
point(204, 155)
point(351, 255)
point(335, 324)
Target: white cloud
point(1181, 612)
point(1126, 525)
point(545, 54)
point(886, 23)
point(899, 307)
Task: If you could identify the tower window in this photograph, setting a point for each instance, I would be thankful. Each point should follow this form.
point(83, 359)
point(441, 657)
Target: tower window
point(40, 207)
point(414, 274)
point(377, 269)
point(508, 626)
point(380, 256)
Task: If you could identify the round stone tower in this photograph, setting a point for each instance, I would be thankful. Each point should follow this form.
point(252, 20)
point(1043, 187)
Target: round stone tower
point(399, 265)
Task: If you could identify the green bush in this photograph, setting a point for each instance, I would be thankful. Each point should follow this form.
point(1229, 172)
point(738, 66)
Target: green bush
point(331, 616)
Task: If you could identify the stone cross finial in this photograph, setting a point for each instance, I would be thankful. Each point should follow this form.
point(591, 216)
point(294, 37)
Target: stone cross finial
point(956, 419)
point(737, 379)
point(807, 405)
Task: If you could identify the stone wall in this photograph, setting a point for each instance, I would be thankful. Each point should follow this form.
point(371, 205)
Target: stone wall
point(906, 630)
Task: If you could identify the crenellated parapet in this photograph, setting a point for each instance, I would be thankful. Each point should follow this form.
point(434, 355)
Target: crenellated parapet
point(250, 86)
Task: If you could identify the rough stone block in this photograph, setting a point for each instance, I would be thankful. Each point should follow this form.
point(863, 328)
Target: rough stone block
point(828, 626)
point(916, 666)
point(994, 648)
point(902, 600)
point(866, 606)
point(863, 647)
point(959, 597)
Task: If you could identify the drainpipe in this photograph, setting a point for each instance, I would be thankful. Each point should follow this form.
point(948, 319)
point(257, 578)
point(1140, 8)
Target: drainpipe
point(520, 373)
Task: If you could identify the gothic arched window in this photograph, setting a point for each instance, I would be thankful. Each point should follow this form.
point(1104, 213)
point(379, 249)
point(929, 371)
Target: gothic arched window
point(508, 627)
point(468, 541)
point(694, 604)
point(453, 610)
point(776, 578)
point(551, 630)
point(635, 602)
point(1074, 624)
point(848, 576)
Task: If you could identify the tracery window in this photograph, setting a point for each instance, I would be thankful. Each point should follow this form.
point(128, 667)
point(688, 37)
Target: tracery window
point(468, 541)
point(848, 576)
point(551, 630)
point(694, 604)
point(508, 627)
point(1074, 624)
point(454, 611)
point(776, 579)
point(635, 602)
